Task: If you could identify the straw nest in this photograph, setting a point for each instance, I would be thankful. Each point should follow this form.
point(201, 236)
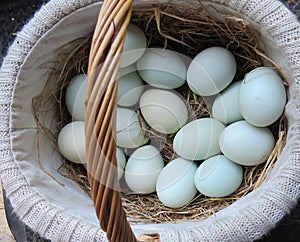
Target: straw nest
point(188, 31)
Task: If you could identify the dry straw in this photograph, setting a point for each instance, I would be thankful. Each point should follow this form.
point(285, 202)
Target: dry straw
point(186, 30)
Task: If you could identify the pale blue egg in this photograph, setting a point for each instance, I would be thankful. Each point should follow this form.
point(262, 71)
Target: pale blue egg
point(175, 184)
point(218, 177)
point(143, 168)
point(199, 139)
point(130, 87)
point(134, 45)
point(162, 68)
point(75, 97)
point(226, 106)
point(246, 144)
point(121, 162)
point(71, 142)
point(163, 110)
point(129, 133)
point(211, 71)
point(262, 97)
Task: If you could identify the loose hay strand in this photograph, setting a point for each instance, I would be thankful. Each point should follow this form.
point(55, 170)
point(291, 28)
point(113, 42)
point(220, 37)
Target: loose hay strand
point(187, 30)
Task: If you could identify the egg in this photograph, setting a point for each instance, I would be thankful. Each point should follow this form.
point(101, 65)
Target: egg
point(162, 68)
point(199, 139)
point(134, 45)
point(211, 71)
point(130, 87)
point(128, 129)
point(143, 168)
point(262, 97)
point(226, 107)
point(75, 97)
point(246, 144)
point(71, 142)
point(175, 184)
point(163, 110)
point(218, 177)
point(121, 162)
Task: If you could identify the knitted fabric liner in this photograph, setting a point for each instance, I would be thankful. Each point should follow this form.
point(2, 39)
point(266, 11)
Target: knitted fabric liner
point(66, 213)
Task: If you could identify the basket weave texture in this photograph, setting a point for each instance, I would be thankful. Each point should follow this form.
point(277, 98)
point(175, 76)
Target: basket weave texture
point(246, 220)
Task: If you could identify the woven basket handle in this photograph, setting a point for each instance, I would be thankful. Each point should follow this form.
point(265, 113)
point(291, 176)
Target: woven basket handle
point(103, 71)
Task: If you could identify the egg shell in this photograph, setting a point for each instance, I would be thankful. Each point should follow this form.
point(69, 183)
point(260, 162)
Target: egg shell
point(162, 68)
point(175, 184)
point(211, 71)
point(143, 168)
point(130, 88)
point(129, 132)
point(218, 177)
point(121, 162)
point(75, 97)
point(199, 139)
point(71, 142)
point(262, 97)
point(134, 45)
point(246, 144)
point(163, 110)
point(226, 107)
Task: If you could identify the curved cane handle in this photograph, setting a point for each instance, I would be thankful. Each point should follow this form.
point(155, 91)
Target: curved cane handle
point(101, 94)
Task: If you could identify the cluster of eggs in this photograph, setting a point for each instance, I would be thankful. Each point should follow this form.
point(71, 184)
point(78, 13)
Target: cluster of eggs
point(237, 134)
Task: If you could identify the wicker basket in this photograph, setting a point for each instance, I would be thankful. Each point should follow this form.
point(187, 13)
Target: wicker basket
point(44, 199)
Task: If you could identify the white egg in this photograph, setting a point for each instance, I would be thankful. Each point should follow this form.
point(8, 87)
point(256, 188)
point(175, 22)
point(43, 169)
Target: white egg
point(129, 131)
point(75, 97)
point(246, 144)
point(143, 168)
point(71, 142)
point(163, 110)
point(130, 88)
point(262, 97)
point(199, 139)
point(175, 184)
point(211, 71)
point(121, 162)
point(134, 45)
point(226, 107)
point(162, 68)
point(218, 177)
